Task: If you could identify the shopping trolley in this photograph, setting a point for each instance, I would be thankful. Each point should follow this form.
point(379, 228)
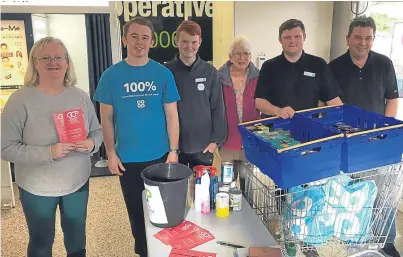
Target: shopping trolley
point(345, 215)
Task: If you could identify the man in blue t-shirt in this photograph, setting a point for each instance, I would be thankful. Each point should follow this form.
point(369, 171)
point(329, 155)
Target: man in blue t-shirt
point(139, 117)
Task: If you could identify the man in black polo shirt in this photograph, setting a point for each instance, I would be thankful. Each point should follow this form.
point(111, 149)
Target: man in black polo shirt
point(294, 80)
point(202, 120)
point(368, 80)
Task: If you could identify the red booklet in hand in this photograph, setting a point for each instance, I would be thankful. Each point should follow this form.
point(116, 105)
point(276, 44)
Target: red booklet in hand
point(70, 126)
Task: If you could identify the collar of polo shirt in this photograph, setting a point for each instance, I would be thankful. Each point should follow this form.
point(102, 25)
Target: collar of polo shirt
point(368, 63)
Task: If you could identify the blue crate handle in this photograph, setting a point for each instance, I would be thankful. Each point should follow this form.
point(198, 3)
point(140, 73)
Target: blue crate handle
point(306, 148)
point(388, 125)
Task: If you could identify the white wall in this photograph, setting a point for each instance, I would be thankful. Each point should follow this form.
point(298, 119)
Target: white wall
point(39, 26)
point(71, 30)
point(98, 7)
point(259, 21)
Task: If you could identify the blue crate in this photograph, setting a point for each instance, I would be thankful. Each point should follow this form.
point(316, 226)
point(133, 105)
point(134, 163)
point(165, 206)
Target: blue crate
point(300, 165)
point(366, 150)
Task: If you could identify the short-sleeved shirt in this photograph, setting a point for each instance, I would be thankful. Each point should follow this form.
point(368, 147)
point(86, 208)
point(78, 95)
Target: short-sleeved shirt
point(138, 95)
point(299, 85)
point(367, 87)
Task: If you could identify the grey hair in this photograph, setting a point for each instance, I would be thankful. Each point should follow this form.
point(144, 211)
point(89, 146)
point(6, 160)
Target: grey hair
point(32, 77)
point(241, 41)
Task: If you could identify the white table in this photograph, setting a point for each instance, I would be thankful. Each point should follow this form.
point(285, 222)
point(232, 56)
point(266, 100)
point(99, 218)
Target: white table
point(241, 228)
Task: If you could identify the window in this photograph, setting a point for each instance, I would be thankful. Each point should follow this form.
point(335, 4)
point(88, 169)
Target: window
point(389, 37)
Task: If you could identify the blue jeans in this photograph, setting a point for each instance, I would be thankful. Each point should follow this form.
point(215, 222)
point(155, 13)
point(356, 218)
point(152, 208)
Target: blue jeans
point(40, 214)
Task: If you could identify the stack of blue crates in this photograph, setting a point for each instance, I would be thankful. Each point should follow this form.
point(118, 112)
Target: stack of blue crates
point(378, 143)
point(299, 165)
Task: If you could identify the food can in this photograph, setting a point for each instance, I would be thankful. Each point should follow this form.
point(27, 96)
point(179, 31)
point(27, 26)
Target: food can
point(235, 199)
point(227, 172)
point(222, 205)
point(224, 188)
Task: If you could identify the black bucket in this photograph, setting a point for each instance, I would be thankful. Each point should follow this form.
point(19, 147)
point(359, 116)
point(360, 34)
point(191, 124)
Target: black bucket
point(166, 187)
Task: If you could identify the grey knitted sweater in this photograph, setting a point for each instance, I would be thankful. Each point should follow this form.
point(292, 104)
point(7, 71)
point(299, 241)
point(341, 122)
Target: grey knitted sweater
point(28, 131)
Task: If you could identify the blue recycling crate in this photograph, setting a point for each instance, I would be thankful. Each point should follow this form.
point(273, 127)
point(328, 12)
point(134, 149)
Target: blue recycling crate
point(317, 157)
point(379, 143)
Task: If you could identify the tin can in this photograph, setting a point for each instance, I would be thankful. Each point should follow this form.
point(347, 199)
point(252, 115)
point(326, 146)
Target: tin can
point(227, 172)
point(222, 205)
point(224, 188)
point(235, 199)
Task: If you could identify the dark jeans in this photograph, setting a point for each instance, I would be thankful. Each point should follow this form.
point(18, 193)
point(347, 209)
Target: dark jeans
point(40, 214)
point(132, 187)
point(194, 159)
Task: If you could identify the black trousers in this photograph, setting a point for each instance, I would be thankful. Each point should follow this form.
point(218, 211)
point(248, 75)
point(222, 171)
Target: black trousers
point(132, 187)
point(194, 159)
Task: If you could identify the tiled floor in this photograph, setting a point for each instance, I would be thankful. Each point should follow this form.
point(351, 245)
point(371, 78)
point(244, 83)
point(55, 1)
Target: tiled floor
point(108, 230)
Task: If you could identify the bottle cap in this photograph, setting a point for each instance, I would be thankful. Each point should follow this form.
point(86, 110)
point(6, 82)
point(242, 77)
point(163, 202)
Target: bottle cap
point(198, 170)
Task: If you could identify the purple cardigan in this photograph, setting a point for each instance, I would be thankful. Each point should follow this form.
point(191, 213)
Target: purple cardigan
point(234, 141)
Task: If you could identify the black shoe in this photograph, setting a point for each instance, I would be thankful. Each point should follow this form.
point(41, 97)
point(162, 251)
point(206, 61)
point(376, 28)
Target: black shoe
point(310, 252)
point(390, 250)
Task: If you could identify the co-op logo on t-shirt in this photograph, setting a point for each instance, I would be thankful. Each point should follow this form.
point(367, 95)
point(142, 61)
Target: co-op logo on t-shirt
point(140, 89)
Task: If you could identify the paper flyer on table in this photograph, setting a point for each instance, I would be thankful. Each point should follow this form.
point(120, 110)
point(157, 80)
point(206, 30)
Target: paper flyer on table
point(168, 234)
point(70, 126)
point(181, 253)
point(184, 236)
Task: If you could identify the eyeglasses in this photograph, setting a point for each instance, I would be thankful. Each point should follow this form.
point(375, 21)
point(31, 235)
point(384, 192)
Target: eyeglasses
point(240, 55)
point(48, 59)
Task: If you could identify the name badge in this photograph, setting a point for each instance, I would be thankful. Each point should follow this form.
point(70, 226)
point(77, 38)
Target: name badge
point(200, 80)
point(309, 74)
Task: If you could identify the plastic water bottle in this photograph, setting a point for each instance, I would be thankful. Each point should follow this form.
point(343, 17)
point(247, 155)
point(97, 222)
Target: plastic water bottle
point(205, 193)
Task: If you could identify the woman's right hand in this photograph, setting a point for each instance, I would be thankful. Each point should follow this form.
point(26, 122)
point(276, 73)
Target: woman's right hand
point(60, 150)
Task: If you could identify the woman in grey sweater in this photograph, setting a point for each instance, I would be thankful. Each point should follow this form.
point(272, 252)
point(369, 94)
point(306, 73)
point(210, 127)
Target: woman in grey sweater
point(49, 173)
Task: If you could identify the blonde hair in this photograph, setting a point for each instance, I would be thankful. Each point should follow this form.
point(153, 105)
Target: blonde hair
point(241, 41)
point(32, 77)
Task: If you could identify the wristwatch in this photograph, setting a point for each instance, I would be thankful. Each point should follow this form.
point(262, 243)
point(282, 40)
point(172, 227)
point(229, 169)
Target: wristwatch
point(175, 151)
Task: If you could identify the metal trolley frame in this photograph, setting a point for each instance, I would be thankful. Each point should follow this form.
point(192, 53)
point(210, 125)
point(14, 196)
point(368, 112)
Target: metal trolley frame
point(276, 209)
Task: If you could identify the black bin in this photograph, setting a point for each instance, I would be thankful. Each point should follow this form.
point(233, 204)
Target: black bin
point(166, 186)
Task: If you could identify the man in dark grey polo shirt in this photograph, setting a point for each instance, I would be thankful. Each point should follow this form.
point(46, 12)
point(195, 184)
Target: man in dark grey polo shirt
point(368, 80)
point(202, 120)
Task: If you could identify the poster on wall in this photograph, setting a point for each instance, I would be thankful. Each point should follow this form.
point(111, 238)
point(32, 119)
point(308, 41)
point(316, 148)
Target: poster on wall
point(202, 14)
point(166, 17)
point(14, 57)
